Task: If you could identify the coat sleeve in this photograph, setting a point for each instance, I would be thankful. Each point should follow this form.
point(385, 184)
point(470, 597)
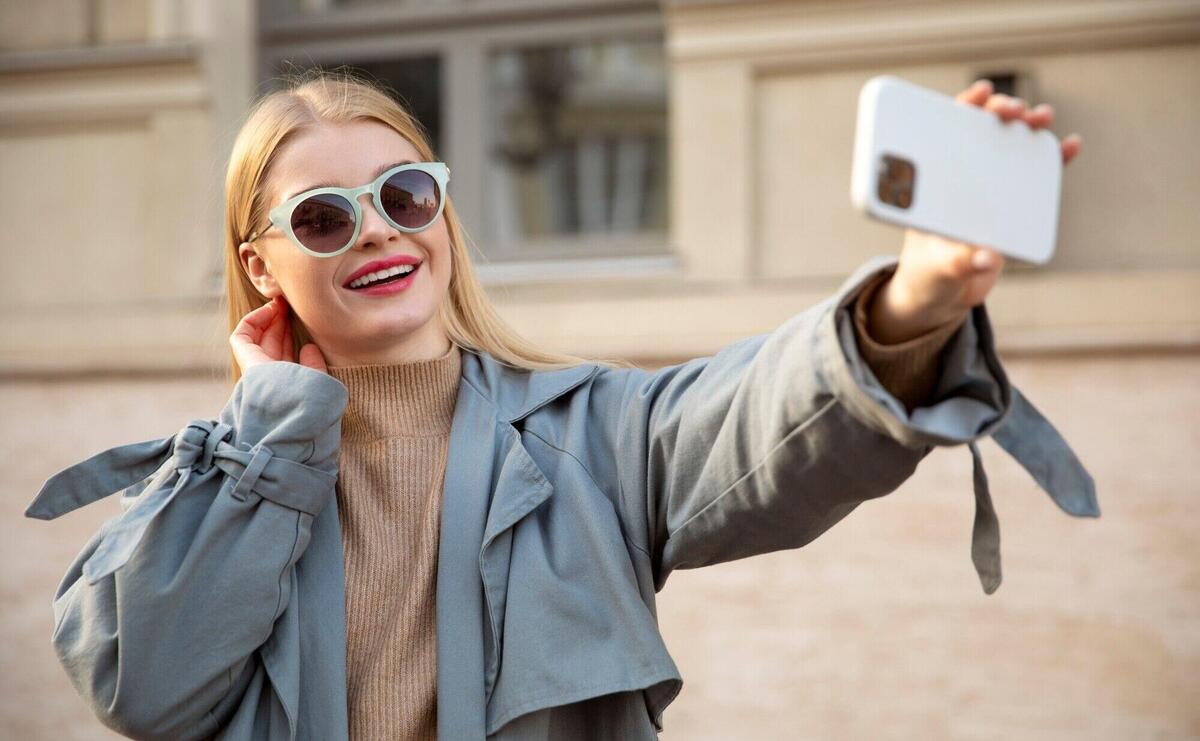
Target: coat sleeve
point(775, 438)
point(158, 618)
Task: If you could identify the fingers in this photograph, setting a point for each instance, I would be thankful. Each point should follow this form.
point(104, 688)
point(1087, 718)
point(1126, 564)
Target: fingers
point(311, 356)
point(1038, 117)
point(985, 259)
point(265, 334)
point(1005, 106)
point(247, 336)
point(1071, 146)
point(977, 93)
point(941, 256)
point(253, 324)
point(288, 343)
point(973, 259)
point(960, 262)
point(272, 338)
point(1009, 108)
point(961, 259)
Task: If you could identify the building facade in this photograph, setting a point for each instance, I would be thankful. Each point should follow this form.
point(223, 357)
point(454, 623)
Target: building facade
point(664, 177)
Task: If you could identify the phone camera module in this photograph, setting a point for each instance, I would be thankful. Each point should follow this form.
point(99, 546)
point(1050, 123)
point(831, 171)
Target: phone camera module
point(897, 178)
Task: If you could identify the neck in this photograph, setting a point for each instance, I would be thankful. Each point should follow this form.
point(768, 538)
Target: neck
point(413, 398)
point(426, 342)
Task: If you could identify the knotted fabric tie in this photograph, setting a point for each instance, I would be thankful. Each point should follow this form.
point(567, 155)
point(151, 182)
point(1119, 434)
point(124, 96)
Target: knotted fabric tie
point(1033, 442)
point(195, 449)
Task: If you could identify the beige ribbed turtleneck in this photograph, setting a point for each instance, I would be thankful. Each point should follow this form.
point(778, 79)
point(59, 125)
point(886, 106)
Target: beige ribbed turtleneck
point(391, 470)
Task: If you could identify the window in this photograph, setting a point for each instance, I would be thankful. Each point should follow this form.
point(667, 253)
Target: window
point(414, 81)
point(578, 143)
point(551, 114)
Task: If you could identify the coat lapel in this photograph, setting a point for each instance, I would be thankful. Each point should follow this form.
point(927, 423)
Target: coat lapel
point(491, 483)
point(520, 487)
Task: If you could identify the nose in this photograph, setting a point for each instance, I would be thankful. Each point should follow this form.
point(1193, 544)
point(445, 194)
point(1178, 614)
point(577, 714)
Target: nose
point(375, 229)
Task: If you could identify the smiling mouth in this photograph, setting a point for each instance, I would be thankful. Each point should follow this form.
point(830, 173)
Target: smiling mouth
point(390, 279)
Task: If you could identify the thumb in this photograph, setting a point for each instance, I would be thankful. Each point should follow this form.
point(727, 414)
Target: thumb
point(310, 356)
point(985, 258)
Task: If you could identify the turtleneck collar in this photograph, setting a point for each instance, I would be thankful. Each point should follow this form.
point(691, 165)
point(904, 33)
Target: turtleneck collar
point(409, 399)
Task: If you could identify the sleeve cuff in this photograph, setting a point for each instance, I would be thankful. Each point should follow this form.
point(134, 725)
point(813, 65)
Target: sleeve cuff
point(909, 369)
point(292, 409)
point(971, 396)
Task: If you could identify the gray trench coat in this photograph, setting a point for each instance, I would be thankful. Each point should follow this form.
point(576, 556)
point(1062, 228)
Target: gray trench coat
point(212, 605)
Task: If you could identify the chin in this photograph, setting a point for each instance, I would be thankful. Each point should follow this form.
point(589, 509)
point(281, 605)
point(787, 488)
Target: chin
point(399, 326)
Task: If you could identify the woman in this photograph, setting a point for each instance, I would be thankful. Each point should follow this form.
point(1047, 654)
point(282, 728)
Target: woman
point(504, 515)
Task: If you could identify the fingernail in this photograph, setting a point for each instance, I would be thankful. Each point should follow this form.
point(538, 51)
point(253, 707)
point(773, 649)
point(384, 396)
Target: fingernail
point(982, 259)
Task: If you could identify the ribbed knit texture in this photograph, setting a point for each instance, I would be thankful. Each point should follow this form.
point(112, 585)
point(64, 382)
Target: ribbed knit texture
point(909, 370)
point(391, 471)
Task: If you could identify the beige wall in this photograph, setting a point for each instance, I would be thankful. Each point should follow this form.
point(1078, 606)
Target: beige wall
point(766, 95)
point(1129, 201)
point(112, 139)
point(762, 104)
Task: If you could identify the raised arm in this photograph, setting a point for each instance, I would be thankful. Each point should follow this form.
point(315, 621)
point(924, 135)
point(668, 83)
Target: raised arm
point(158, 618)
point(769, 442)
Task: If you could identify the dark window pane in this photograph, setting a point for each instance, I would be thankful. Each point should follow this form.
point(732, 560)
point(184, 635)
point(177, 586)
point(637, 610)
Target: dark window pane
point(578, 140)
point(414, 81)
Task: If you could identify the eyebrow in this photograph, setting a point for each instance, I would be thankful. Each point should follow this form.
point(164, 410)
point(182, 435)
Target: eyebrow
point(378, 172)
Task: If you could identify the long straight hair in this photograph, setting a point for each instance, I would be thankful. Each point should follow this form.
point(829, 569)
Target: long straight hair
point(340, 96)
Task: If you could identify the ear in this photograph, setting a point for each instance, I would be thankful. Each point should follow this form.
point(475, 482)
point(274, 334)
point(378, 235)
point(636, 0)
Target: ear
point(258, 270)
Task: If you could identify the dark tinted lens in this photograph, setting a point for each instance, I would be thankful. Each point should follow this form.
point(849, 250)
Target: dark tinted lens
point(323, 223)
point(410, 198)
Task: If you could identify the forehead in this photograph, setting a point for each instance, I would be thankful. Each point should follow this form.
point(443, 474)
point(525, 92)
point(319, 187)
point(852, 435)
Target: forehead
point(346, 155)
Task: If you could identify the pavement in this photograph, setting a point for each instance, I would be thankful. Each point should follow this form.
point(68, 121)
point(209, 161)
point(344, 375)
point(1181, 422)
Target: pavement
point(877, 630)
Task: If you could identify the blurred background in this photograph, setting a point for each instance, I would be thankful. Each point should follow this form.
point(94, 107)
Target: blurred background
point(655, 179)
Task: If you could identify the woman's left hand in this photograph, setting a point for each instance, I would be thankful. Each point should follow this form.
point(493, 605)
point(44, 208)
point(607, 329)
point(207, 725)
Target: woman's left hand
point(939, 280)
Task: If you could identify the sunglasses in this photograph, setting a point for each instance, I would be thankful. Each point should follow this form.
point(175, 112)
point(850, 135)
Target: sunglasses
point(324, 222)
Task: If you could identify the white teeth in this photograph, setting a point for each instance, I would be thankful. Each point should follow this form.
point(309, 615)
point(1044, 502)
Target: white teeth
point(380, 275)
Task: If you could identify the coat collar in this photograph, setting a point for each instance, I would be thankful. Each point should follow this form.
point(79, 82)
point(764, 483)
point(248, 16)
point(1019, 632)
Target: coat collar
point(516, 392)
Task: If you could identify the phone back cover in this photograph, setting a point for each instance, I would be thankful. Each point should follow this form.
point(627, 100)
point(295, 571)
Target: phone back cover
point(977, 179)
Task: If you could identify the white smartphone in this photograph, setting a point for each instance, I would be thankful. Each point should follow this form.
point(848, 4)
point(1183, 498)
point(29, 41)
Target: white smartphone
point(924, 160)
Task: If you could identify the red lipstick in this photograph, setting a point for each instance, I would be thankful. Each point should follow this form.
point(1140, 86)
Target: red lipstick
point(376, 265)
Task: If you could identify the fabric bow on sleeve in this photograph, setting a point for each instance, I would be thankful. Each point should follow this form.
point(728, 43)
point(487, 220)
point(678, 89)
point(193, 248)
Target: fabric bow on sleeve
point(1033, 442)
point(973, 399)
point(193, 451)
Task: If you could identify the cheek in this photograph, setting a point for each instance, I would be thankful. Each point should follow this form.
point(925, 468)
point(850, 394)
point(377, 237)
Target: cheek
point(307, 286)
point(444, 258)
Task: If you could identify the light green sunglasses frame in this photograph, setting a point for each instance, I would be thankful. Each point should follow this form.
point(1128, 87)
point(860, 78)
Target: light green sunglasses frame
point(281, 215)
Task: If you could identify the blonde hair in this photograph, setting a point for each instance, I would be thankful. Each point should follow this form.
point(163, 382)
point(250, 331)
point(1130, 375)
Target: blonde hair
point(340, 96)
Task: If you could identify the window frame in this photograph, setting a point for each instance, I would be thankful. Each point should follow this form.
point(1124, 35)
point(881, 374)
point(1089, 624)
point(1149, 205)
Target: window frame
point(462, 34)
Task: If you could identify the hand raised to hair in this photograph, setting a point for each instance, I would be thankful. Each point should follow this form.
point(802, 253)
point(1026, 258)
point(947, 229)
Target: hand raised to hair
point(264, 335)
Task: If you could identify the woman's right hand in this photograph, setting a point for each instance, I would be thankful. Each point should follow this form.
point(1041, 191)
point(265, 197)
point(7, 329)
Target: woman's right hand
point(265, 335)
